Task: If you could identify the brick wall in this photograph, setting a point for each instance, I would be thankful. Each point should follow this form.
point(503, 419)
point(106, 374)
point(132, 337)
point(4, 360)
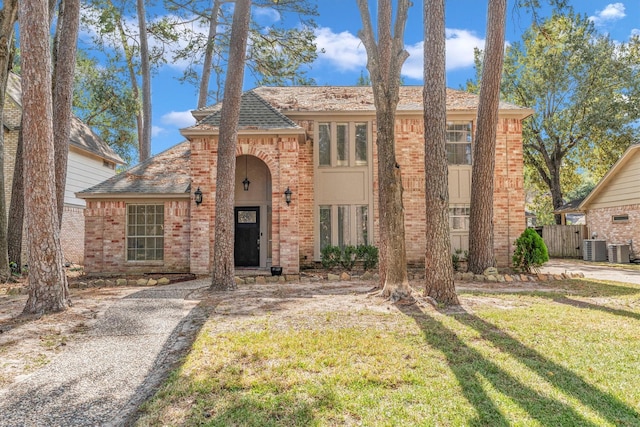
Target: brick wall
point(599, 221)
point(12, 118)
point(72, 234)
point(105, 239)
point(189, 229)
point(280, 154)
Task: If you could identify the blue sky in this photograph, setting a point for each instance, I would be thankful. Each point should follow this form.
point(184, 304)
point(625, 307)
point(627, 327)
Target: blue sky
point(344, 58)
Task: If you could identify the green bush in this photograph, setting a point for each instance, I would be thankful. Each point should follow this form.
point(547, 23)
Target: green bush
point(531, 252)
point(348, 258)
point(331, 256)
point(368, 254)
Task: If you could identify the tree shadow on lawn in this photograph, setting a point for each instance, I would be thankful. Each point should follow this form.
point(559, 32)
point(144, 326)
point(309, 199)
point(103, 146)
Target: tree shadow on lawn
point(470, 367)
point(587, 288)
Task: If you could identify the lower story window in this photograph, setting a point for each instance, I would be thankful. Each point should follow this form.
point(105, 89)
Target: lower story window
point(145, 232)
point(459, 218)
point(343, 225)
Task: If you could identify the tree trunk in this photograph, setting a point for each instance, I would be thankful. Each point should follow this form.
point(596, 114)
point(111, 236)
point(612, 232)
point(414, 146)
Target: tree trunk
point(223, 261)
point(203, 92)
point(63, 78)
point(16, 210)
point(8, 17)
point(439, 283)
point(128, 53)
point(481, 251)
point(48, 290)
point(384, 62)
point(145, 142)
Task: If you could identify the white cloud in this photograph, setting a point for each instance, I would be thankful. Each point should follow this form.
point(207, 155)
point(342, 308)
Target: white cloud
point(179, 119)
point(459, 51)
point(346, 52)
point(157, 130)
point(266, 14)
point(635, 32)
point(612, 12)
point(343, 50)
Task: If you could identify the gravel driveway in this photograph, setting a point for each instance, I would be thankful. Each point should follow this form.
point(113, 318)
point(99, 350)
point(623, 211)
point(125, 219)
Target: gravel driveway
point(103, 377)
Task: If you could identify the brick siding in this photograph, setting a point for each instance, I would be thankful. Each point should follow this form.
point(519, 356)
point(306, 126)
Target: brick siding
point(72, 234)
point(105, 239)
point(189, 229)
point(600, 221)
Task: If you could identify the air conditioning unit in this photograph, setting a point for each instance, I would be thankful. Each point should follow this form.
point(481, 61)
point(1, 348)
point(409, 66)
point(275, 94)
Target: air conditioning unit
point(594, 250)
point(619, 254)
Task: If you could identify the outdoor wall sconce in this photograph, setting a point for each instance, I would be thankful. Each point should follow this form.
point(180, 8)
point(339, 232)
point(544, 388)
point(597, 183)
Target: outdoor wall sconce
point(198, 196)
point(246, 181)
point(287, 195)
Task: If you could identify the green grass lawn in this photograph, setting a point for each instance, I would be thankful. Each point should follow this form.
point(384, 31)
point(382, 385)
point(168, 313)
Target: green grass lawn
point(565, 356)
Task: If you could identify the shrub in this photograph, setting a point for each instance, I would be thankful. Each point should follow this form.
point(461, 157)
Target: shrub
point(531, 252)
point(455, 259)
point(330, 256)
point(368, 254)
point(348, 258)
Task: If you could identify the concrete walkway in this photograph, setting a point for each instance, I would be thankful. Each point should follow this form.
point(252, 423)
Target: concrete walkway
point(592, 270)
point(101, 378)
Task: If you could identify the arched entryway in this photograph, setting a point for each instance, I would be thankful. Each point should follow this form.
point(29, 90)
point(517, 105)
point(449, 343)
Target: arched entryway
point(253, 213)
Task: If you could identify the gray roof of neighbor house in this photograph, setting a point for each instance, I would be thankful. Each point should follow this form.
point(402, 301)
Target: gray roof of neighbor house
point(82, 137)
point(286, 99)
point(570, 207)
point(166, 173)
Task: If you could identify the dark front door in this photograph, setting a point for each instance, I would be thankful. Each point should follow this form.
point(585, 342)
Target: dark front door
point(247, 245)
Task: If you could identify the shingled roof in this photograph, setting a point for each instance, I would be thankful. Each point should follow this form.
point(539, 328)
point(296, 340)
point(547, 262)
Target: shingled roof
point(288, 99)
point(166, 173)
point(255, 114)
point(82, 137)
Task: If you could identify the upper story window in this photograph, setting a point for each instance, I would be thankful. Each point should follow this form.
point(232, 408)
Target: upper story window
point(459, 136)
point(343, 144)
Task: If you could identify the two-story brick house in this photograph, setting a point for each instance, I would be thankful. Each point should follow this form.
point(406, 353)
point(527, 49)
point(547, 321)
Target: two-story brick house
point(306, 176)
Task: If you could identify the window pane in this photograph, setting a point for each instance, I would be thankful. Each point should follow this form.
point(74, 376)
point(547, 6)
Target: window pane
point(324, 144)
point(459, 218)
point(325, 226)
point(459, 138)
point(343, 144)
point(362, 225)
point(344, 237)
point(145, 232)
point(361, 144)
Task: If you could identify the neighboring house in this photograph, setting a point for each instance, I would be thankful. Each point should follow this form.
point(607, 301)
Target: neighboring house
point(306, 177)
point(90, 161)
point(613, 207)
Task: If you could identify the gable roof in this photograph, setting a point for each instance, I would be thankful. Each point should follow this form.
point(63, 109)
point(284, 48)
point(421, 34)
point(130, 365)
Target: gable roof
point(287, 99)
point(82, 136)
point(166, 173)
point(617, 168)
point(255, 113)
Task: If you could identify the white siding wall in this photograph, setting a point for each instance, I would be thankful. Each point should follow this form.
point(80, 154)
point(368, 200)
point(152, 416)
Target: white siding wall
point(83, 171)
point(622, 189)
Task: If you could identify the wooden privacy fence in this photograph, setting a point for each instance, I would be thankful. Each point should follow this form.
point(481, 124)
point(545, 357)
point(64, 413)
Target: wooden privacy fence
point(564, 241)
